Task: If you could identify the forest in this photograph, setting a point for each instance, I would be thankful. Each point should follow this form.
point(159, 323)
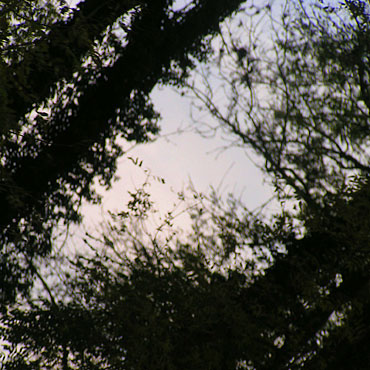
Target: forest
point(285, 80)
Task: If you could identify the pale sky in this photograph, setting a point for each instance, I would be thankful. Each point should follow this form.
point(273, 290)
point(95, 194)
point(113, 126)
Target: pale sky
point(179, 159)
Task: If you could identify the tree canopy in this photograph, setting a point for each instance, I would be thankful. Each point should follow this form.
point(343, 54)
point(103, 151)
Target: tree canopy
point(169, 302)
point(238, 291)
point(298, 98)
point(76, 81)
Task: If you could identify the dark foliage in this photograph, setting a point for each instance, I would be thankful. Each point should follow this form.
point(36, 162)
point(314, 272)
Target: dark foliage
point(237, 292)
point(172, 306)
point(74, 82)
point(299, 100)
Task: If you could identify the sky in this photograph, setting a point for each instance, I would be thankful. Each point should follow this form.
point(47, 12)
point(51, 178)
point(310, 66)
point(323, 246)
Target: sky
point(182, 159)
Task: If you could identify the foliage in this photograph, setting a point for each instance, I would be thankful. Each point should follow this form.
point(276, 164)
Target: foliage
point(75, 88)
point(151, 300)
point(238, 291)
point(297, 92)
point(139, 301)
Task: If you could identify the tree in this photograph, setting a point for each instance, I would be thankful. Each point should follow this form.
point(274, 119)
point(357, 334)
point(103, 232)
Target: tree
point(147, 301)
point(299, 97)
point(168, 302)
point(74, 83)
point(303, 107)
point(237, 292)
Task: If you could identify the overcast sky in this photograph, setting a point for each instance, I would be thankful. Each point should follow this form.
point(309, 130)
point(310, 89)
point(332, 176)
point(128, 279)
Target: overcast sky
point(182, 158)
point(179, 159)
